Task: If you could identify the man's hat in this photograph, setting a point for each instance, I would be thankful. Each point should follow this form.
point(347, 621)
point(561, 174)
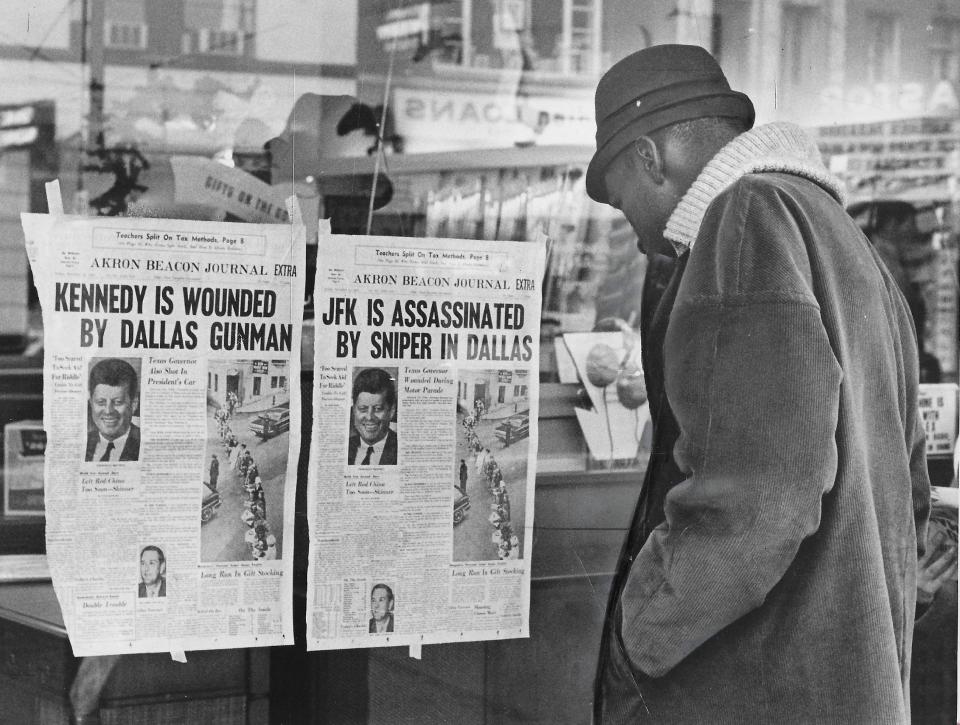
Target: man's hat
point(653, 88)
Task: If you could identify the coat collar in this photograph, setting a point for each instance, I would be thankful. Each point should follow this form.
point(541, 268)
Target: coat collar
point(782, 147)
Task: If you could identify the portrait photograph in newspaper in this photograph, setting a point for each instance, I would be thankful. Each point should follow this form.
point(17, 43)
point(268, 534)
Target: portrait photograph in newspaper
point(423, 450)
point(171, 348)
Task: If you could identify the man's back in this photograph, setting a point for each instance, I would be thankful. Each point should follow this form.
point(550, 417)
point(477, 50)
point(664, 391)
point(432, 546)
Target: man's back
point(782, 589)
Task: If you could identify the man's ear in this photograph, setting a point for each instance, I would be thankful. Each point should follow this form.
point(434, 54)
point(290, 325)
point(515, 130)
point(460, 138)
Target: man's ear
point(651, 160)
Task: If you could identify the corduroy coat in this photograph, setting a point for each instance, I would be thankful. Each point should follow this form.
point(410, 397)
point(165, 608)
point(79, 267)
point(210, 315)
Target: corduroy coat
point(770, 575)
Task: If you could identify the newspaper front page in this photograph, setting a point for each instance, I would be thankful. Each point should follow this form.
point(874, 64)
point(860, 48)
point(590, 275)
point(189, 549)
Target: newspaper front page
point(172, 409)
point(423, 453)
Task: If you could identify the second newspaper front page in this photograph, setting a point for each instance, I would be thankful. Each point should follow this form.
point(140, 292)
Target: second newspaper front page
point(422, 459)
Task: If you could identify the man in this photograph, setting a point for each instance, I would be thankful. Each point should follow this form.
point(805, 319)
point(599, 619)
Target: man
point(769, 574)
point(114, 396)
point(381, 607)
point(153, 571)
point(482, 460)
point(214, 471)
point(463, 477)
point(372, 441)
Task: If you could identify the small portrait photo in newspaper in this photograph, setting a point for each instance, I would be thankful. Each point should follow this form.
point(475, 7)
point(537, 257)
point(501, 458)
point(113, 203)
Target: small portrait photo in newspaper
point(113, 410)
point(153, 573)
point(381, 609)
point(372, 439)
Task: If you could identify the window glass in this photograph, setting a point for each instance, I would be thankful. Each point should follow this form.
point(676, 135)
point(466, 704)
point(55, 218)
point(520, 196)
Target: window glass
point(465, 118)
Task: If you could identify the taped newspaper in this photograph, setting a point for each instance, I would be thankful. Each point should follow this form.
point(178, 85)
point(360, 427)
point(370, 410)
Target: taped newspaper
point(424, 444)
point(171, 389)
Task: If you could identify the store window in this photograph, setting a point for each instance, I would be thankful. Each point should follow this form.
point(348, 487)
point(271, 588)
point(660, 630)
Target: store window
point(883, 47)
point(466, 118)
point(219, 27)
point(799, 47)
point(945, 49)
point(520, 35)
point(125, 24)
point(126, 35)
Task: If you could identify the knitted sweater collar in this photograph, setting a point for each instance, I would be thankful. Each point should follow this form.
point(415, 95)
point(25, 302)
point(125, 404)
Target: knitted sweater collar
point(780, 146)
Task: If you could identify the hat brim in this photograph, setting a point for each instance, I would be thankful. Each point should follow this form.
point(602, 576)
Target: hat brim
point(726, 104)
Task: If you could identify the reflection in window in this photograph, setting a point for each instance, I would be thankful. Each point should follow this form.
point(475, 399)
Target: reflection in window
point(125, 24)
point(126, 35)
point(221, 27)
point(883, 47)
point(798, 44)
point(945, 49)
point(523, 35)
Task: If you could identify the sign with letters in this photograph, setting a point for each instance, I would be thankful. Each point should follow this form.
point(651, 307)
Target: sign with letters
point(938, 406)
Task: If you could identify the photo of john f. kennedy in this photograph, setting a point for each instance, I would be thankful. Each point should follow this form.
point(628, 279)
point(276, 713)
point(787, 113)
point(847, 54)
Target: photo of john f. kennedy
point(372, 441)
point(114, 399)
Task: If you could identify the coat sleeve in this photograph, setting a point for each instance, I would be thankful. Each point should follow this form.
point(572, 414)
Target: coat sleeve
point(754, 384)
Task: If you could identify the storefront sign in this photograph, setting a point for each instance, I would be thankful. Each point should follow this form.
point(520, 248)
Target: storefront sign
point(16, 116)
point(405, 27)
point(437, 121)
point(904, 99)
point(202, 181)
point(17, 126)
point(909, 158)
point(260, 367)
point(945, 310)
point(938, 406)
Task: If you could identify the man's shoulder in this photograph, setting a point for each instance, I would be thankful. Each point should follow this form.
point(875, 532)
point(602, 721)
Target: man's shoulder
point(775, 186)
point(756, 236)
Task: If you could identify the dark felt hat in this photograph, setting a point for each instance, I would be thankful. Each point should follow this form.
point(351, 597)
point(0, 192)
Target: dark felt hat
point(653, 88)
